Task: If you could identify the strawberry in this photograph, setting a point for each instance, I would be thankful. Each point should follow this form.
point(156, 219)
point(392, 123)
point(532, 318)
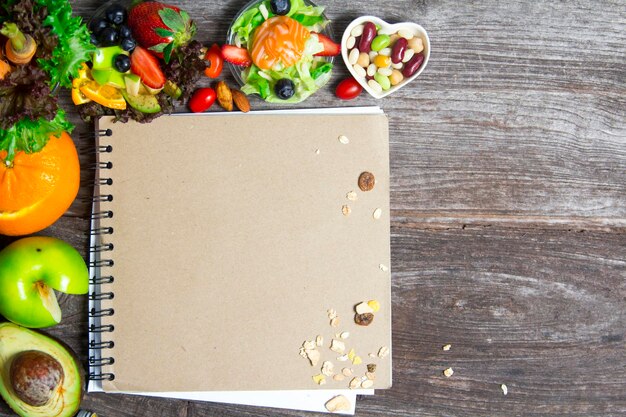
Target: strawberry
point(144, 64)
point(330, 48)
point(236, 55)
point(160, 27)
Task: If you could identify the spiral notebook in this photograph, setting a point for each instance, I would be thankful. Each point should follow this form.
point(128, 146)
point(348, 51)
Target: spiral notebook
point(229, 253)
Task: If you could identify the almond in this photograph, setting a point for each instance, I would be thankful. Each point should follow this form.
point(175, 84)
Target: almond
point(224, 96)
point(241, 101)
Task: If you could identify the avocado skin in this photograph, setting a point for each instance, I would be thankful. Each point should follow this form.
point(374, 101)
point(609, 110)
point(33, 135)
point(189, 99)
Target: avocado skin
point(15, 339)
point(145, 103)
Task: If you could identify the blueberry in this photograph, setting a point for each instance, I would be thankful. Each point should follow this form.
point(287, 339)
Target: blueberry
point(108, 37)
point(122, 63)
point(116, 14)
point(280, 7)
point(124, 32)
point(284, 88)
point(128, 44)
point(98, 25)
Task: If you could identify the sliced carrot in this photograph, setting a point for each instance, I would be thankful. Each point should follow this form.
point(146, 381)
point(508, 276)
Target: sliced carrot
point(5, 68)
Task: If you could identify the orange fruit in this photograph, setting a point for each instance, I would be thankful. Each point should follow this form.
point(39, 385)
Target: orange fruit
point(77, 97)
point(38, 188)
point(106, 95)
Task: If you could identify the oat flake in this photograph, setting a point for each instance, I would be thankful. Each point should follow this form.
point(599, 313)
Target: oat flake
point(448, 372)
point(352, 196)
point(346, 210)
point(343, 139)
point(505, 389)
point(377, 213)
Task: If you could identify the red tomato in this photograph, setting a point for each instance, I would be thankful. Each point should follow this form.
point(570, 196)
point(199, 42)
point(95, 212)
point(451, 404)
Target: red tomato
point(348, 89)
point(202, 99)
point(216, 61)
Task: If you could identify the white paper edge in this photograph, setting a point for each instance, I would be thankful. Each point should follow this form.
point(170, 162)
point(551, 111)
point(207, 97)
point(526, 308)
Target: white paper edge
point(329, 110)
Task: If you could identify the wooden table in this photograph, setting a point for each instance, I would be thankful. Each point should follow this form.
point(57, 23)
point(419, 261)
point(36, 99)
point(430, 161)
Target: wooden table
point(508, 195)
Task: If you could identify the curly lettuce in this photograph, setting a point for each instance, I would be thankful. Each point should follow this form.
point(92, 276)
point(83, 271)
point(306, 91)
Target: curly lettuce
point(29, 112)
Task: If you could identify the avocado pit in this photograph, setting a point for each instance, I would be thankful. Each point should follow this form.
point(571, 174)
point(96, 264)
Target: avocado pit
point(35, 376)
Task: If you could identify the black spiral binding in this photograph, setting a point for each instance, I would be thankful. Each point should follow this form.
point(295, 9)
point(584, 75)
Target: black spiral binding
point(100, 254)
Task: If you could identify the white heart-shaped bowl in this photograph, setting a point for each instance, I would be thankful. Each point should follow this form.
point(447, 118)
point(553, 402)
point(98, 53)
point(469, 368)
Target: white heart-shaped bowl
point(385, 28)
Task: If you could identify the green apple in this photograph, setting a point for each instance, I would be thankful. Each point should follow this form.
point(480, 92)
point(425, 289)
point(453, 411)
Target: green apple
point(30, 270)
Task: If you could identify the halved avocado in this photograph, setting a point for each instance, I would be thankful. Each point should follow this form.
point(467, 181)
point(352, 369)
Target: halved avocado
point(65, 400)
point(145, 103)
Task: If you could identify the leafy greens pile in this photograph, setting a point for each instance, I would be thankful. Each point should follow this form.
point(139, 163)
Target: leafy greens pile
point(308, 75)
point(29, 112)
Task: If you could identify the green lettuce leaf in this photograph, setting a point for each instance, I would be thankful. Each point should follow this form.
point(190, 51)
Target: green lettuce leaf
point(32, 135)
point(74, 46)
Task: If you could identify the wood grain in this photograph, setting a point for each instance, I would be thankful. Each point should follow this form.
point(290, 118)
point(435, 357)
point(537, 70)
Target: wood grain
point(508, 194)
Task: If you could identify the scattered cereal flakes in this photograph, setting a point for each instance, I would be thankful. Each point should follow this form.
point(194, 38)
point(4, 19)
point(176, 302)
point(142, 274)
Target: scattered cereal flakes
point(352, 196)
point(346, 210)
point(383, 351)
point(313, 355)
point(371, 355)
point(371, 367)
point(377, 214)
point(339, 377)
point(319, 379)
point(355, 383)
point(505, 389)
point(363, 308)
point(337, 346)
point(370, 375)
point(319, 340)
point(343, 139)
point(303, 353)
point(448, 372)
point(383, 267)
point(308, 344)
point(368, 383)
point(332, 313)
point(351, 354)
point(357, 360)
point(334, 322)
point(346, 372)
point(344, 335)
point(342, 358)
point(374, 305)
point(338, 403)
point(328, 368)
point(447, 347)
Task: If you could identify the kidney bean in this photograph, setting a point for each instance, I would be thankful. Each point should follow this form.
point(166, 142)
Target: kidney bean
point(368, 35)
point(413, 65)
point(397, 52)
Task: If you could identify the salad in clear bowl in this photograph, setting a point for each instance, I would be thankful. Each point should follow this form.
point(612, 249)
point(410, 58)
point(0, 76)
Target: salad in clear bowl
point(281, 50)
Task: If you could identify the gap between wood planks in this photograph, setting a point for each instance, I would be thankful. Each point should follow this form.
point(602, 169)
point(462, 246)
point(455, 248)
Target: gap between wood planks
point(451, 221)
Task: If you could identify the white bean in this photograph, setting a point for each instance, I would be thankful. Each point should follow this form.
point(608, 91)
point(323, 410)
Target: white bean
point(353, 56)
point(399, 65)
point(375, 86)
point(406, 33)
point(371, 70)
point(385, 51)
point(408, 54)
point(373, 54)
point(359, 71)
point(350, 42)
point(357, 31)
point(385, 71)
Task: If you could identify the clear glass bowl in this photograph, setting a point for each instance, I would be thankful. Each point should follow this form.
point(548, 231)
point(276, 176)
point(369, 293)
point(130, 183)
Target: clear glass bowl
point(230, 39)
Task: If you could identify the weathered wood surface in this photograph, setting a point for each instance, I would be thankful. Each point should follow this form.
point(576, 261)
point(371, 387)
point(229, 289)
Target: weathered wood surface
point(508, 163)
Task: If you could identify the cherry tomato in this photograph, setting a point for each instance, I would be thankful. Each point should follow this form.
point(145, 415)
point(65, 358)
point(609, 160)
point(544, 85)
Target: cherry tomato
point(216, 61)
point(202, 99)
point(348, 89)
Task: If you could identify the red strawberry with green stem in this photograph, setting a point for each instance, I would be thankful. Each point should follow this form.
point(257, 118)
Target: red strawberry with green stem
point(161, 28)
